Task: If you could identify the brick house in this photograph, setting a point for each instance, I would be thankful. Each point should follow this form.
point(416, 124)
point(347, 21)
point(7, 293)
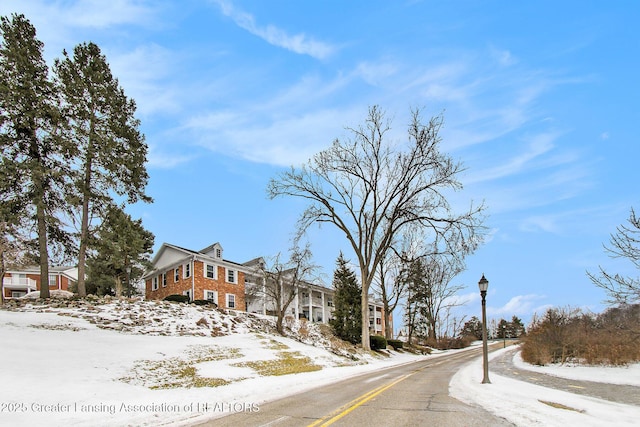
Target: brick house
point(19, 282)
point(202, 275)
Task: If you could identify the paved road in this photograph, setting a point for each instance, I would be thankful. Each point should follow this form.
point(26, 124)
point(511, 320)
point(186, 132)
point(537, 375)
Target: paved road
point(415, 394)
point(503, 365)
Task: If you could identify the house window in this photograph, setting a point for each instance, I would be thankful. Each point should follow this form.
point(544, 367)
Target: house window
point(232, 276)
point(53, 280)
point(154, 283)
point(164, 280)
point(187, 293)
point(211, 296)
point(17, 294)
point(187, 270)
point(210, 271)
point(218, 253)
point(231, 301)
point(329, 302)
point(176, 275)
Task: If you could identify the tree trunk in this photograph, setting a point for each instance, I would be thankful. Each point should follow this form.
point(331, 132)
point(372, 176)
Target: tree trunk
point(42, 248)
point(2, 271)
point(432, 328)
point(279, 321)
point(118, 287)
point(84, 227)
point(366, 345)
point(388, 332)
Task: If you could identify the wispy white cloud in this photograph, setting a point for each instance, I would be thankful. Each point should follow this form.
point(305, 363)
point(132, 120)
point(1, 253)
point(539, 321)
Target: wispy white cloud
point(145, 73)
point(375, 73)
point(284, 141)
point(519, 305)
point(538, 146)
point(61, 23)
point(502, 56)
point(101, 14)
point(299, 43)
point(588, 220)
point(81, 13)
point(158, 160)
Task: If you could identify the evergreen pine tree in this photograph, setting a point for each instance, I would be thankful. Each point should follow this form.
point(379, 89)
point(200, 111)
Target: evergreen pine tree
point(110, 150)
point(347, 319)
point(472, 328)
point(123, 248)
point(34, 160)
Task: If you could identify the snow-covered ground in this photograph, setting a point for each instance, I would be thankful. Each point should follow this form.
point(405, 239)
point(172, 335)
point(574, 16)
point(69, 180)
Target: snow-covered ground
point(121, 364)
point(523, 403)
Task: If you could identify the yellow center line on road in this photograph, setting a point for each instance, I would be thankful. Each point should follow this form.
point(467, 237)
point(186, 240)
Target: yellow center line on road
point(344, 410)
point(359, 401)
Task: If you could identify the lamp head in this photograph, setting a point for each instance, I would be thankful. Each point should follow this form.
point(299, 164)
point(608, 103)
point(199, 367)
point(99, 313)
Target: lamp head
point(483, 284)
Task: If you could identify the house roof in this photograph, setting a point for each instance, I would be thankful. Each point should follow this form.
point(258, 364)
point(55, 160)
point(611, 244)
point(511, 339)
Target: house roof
point(201, 255)
point(66, 270)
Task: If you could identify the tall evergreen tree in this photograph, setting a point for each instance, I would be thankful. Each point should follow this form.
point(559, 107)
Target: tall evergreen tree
point(123, 250)
point(34, 158)
point(516, 328)
point(111, 152)
point(347, 319)
point(472, 328)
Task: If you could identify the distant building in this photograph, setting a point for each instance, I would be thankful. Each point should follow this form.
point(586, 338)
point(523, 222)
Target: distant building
point(18, 282)
point(201, 275)
point(312, 302)
point(206, 275)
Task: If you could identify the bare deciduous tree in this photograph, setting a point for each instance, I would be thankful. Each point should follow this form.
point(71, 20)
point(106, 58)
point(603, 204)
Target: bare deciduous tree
point(625, 243)
point(432, 293)
point(390, 289)
point(372, 188)
point(279, 283)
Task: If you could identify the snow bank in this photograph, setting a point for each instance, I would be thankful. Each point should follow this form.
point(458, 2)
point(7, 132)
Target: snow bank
point(526, 404)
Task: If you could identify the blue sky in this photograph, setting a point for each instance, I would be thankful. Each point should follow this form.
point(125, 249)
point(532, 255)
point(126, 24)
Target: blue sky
point(540, 102)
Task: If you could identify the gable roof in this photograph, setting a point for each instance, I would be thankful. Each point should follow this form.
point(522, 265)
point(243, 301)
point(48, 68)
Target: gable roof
point(169, 256)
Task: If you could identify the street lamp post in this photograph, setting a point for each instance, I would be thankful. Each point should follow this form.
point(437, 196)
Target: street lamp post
point(504, 336)
point(483, 284)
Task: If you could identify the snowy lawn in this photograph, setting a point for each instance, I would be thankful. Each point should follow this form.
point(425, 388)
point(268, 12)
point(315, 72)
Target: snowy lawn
point(64, 370)
point(143, 364)
point(524, 404)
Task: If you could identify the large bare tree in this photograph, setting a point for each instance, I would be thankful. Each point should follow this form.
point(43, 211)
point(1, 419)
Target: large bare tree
point(372, 187)
point(625, 243)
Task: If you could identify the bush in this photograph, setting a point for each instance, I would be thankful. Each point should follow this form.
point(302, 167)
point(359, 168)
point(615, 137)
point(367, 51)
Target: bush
point(396, 344)
point(453, 343)
point(177, 298)
point(566, 335)
point(204, 302)
point(377, 342)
